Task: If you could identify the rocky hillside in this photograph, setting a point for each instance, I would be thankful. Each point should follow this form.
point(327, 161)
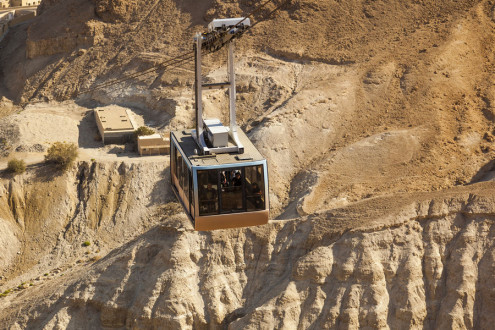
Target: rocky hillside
point(75, 44)
point(377, 119)
point(427, 263)
point(50, 215)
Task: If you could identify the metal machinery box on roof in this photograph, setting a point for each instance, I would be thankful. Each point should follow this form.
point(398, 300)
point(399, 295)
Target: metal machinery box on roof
point(115, 124)
point(217, 133)
point(189, 149)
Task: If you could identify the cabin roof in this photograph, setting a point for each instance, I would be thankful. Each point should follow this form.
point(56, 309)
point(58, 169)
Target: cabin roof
point(187, 144)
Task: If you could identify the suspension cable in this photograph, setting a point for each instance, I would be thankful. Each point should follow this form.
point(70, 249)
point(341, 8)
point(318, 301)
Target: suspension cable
point(184, 57)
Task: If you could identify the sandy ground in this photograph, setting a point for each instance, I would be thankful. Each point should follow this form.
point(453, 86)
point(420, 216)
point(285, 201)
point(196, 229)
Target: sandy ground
point(42, 124)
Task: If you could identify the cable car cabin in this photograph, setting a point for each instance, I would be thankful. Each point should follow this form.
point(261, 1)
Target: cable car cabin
point(218, 191)
point(216, 172)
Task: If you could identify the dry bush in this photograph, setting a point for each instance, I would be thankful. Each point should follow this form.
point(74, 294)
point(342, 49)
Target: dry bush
point(143, 130)
point(62, 154)
point(16, 166)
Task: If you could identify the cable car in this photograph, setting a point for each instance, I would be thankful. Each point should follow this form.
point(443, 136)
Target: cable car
point(220, 190)
point(218, 175)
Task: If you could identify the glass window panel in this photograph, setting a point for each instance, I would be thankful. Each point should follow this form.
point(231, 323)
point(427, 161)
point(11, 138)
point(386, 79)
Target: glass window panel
point(178, 165)
point(255, 188)
point(173, 153)
point(232, 182)
point(191, 193)
point(208, 192)
point(185, 183)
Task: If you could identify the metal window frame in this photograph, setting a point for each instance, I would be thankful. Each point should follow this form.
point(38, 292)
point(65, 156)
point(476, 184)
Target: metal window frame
point(230, 166)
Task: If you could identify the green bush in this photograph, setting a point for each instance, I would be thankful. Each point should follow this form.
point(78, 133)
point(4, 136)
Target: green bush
point(16, 166)
point(62, 154)
point(143, 130)
point(87, 243)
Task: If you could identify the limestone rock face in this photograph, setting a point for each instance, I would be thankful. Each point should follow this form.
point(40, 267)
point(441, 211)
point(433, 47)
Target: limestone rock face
point(118, 10)
point(428, 264)
point(52, 214)
point(61, 38)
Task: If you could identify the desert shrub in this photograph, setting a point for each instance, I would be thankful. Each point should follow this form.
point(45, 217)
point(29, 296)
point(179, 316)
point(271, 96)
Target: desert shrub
point(5, 293)
point(143, 130)
point(86, 243)
point(62, 154)
point(16, 166)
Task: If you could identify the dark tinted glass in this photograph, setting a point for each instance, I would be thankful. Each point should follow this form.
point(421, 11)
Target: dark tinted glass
point(255, 188)
point(208, 192)
point(185, 183)
point(232, 182)
point(173, 152)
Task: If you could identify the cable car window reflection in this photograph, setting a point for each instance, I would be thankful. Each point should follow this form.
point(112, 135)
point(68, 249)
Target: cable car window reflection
point(178, 170)
point(184, 179)
point(173, 155)
point(191, 193)
point(255, 190)
point(208, 192)
point(232, 192)
point(185, 185)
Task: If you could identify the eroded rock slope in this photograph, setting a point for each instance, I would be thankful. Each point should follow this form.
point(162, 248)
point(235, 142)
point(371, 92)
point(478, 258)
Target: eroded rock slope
point(378, 125)
point(426, 264)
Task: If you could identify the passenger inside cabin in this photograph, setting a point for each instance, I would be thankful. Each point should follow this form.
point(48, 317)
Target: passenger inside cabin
point(210, 192)
point(237, 180)
point(223, 180)
point(256, 191)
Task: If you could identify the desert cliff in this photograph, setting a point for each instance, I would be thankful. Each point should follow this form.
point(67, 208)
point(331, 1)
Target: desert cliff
point(377, 119)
